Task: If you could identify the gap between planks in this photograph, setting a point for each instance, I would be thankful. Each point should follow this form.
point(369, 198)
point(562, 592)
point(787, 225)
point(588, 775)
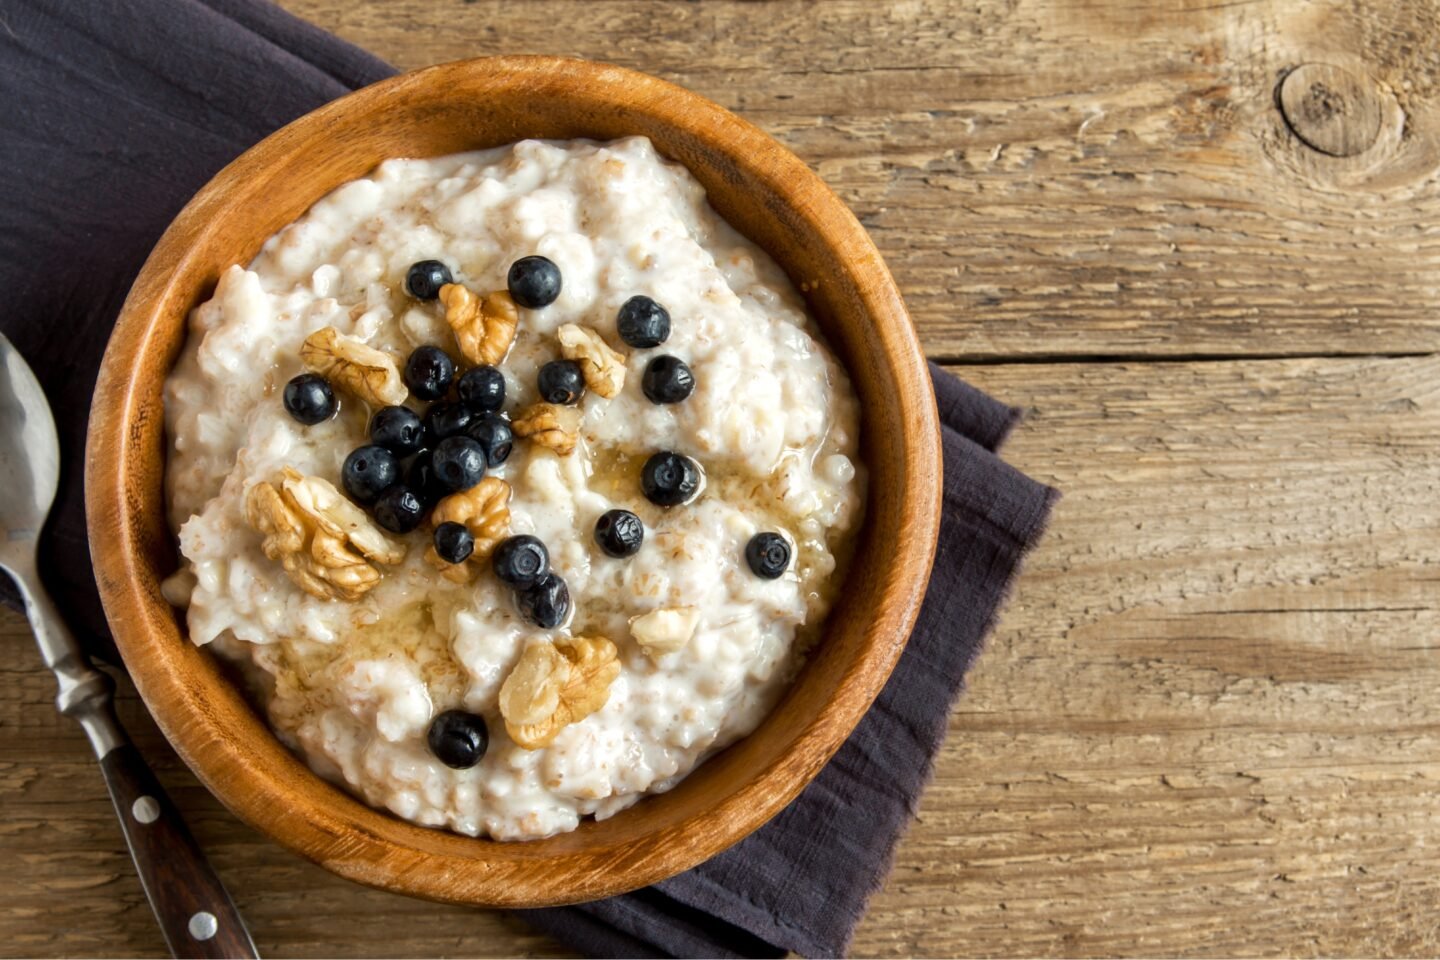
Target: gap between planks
point(999, 360)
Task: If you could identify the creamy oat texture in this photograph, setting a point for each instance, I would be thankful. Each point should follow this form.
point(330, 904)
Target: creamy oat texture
point(352, 686)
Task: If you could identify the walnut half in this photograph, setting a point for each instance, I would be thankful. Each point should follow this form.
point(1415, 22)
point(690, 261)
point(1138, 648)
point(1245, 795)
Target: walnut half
point(325, 543)
point(602, 366)
point(548, 425)
point(554, 685)
point(366, 372)
point(484, 510)
point(484, 326)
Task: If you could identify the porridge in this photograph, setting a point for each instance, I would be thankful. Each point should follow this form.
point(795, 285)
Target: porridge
point(514, 483)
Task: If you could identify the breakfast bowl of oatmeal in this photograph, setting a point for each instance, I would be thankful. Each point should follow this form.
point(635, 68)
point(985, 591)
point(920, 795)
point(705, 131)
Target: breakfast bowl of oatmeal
point(510, 483)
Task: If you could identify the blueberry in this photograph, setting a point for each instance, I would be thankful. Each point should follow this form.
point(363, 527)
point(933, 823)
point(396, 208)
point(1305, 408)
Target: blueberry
point(458, 739)
point(420, 478)
point(643, 323)
point(520, 561)
point(446, 420)
point(458, 464)
point(482, 389)
point(534, 282)
point(424, 279)
point(428, 372)
point(453, 542)
point(309, 399)
point(397, 429)
point(367, 472)
point(667, 380)
point(398, 509)
point(669, 479)
point(492, 432)
point(768, 555)
point(545, 603)
point(619, 533)
point(560, 381)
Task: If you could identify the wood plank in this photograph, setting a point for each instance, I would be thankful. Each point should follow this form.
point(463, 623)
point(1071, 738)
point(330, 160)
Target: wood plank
point(1206, 724)
point(1056, 178)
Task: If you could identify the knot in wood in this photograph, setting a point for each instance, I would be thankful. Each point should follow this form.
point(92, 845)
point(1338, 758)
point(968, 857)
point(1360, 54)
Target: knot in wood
point(1331, 109)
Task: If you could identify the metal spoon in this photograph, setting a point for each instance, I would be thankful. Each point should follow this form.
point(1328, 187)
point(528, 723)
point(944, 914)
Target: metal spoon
point(196, 915)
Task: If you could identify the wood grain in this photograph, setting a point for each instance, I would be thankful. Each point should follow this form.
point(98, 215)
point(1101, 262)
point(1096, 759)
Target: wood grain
point(1054, 178)
point(1332, 109)
point(1207, 722)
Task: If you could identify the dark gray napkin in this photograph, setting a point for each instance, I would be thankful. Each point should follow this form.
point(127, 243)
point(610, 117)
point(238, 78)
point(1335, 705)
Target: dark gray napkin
point(116, 112)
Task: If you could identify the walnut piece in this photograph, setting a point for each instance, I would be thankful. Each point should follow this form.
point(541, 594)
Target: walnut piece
point(284, 534)
point(484, 326)
point(603, 367)
point(331, 512)
point(277, 524)
point(546, 424)
point(484, 509)
point(531, 693)
point(554, 685)
point(342, 542)
point(368, 373)
point(664, 631)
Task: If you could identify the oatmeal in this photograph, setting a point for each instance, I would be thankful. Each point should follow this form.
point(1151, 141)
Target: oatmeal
point(515, 483)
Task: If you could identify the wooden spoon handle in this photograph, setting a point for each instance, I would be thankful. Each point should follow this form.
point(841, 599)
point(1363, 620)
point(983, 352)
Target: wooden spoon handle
point(196, 915)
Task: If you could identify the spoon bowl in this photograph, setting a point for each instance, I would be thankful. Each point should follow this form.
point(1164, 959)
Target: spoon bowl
point(29, 461)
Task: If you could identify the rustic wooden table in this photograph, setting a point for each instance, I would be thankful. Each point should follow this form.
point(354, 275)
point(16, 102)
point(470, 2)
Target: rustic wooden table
point(1200, 243)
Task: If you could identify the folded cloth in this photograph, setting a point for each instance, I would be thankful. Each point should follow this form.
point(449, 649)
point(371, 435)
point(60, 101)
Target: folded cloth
point(117, 112)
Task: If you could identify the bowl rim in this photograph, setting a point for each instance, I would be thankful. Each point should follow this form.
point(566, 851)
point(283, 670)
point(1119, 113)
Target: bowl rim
point(330, 837)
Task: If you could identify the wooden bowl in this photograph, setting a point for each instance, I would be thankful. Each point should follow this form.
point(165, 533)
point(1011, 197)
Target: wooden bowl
point(756, 184)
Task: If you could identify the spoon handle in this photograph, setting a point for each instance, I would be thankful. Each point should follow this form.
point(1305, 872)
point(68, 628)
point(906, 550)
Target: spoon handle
point(196, 915)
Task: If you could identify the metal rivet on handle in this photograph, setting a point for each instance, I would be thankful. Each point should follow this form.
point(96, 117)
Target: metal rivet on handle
point(203, 925)
point(145, 809)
